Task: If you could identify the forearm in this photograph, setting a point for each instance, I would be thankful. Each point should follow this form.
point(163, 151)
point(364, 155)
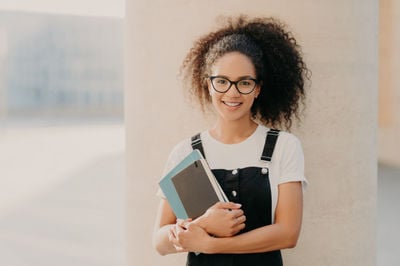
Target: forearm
point(222, 219)
point(282, 234)
point(263, 239)
point(164, 222)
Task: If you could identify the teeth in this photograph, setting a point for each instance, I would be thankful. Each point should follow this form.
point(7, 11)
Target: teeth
point(231, 104)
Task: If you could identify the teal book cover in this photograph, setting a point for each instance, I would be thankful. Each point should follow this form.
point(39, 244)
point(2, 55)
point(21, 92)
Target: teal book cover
point(190, 187)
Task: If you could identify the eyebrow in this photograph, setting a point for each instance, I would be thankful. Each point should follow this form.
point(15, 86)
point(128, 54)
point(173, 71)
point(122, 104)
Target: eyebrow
point(240, 78)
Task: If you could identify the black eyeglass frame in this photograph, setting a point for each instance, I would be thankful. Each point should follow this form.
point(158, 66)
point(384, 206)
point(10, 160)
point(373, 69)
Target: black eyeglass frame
point(233, 83)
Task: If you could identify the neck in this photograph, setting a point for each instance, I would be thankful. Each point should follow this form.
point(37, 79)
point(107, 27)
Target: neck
point(231, 132)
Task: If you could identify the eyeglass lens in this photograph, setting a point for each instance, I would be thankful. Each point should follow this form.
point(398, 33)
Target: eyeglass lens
point(244, 86)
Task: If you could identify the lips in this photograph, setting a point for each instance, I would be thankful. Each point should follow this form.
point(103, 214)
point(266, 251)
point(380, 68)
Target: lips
point(232, 104)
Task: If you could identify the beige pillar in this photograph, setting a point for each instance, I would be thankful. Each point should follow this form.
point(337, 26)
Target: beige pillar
point(339, 40)
point(389, 83)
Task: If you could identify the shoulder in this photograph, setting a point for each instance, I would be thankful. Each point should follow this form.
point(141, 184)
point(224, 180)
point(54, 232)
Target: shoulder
point(289, 149)
point(178, 153)
point(284, 139)
point(287, 145)
point(181, 149)
point(288, 139)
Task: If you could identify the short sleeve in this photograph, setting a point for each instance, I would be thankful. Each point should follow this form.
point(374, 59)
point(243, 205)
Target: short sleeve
point(167, 167)
point(160, 194)
point(292, 162)
point(179, 152)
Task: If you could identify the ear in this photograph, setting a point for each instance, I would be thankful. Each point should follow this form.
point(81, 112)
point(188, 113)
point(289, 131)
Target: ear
point(257, 91)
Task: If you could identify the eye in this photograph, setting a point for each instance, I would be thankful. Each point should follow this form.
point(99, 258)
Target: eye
point(246, 83)
point(220, 81)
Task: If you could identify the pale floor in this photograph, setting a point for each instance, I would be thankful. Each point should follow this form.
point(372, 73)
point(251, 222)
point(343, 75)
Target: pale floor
point(76, 217)
point(63, 203)
point(388, 216)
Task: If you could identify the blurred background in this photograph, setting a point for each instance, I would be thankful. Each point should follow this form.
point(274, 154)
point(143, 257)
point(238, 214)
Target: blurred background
point(62, 194)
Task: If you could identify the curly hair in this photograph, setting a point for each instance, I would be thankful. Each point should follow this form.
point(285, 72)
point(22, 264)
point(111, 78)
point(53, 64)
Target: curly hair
point(276, 56)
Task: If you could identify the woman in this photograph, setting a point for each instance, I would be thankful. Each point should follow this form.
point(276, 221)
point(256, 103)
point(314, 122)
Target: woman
point(252, 72)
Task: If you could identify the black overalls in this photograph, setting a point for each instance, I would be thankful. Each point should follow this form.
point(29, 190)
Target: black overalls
point(250, 187)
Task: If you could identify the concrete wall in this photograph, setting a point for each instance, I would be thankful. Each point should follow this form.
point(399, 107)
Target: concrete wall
point(389, 82)
point(339, 40)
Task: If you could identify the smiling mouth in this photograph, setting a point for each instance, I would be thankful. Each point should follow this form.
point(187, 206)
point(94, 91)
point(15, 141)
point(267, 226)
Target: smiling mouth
point(232, 104)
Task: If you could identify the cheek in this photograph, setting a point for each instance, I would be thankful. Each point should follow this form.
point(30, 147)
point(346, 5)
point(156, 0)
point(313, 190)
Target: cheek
point(213, 94)
point(251, 101)
point(214, 98)
point(210, 89)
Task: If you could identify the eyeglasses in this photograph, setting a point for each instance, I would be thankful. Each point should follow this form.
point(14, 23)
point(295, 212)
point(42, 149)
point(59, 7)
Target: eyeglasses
point(243, 86)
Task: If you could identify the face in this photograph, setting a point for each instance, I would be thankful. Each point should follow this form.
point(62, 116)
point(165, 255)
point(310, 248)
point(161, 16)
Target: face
point(232, 105)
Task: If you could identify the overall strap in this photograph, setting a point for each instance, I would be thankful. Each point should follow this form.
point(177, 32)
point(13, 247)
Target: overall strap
point(269, 145)
point(197, 144)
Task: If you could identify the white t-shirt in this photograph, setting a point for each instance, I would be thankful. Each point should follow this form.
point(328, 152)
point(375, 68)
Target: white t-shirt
point(287, 164)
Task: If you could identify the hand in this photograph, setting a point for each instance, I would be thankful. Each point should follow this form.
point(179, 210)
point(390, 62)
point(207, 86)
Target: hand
point(223, 219)
point(174, 233)
point(187, 236)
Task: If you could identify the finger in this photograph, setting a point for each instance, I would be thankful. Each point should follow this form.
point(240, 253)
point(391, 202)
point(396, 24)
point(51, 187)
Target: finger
point(174, 242)
point(180, 222)
point(183, 223)
point(183, 220)
point(179, 248)
point(171, 236)
point(240, 219)
point(237, 213)
point(226, 205)
point(190, 226)
point(173, 233)
point(177, 230)
point(239, 227)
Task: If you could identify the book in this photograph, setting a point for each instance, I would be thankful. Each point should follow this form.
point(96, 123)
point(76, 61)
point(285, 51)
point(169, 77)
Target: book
point(191, 188)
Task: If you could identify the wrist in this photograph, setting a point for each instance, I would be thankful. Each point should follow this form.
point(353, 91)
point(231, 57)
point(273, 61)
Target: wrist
point(211, 246)
point(201, 221)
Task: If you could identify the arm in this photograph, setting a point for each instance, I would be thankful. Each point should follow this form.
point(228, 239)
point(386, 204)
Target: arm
point(222, 219)
point(164, 222)
point(282, 234)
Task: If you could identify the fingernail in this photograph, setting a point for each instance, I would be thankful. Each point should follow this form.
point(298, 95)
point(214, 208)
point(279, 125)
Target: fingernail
point(238, 204)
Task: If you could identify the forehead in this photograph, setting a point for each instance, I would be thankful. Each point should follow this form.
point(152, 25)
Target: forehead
point(233, 65)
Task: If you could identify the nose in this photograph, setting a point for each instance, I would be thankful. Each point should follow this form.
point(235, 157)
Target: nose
point(233, 90)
